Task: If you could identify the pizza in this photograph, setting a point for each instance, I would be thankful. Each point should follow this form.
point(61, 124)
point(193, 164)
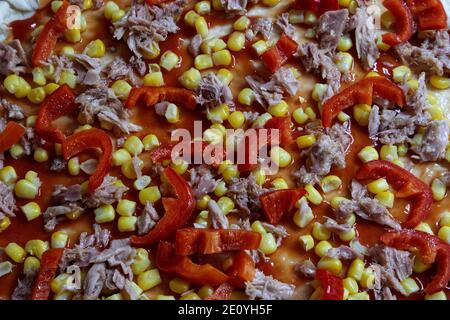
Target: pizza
point(224, 149)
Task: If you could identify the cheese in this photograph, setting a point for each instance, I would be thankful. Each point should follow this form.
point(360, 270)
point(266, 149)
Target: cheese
point(11, 10)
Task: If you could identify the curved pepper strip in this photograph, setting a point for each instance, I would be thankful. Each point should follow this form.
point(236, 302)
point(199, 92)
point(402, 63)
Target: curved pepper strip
point(49, 35)
point(152, 95)
point(284, 125)
point(12, 134)
point(242, 270)
point(430, 14)
point(361, 92)
point(90, 139)
point(58, 104)
point(317, 6)
point(276, 203)
point(207, 241)
point(406, 184)
point(223, 292)
point(276, 56)
point(333, 286)
point(431, 249)
point(183, 267)
point(49, 265)
point(177, 213)
point(403, 22)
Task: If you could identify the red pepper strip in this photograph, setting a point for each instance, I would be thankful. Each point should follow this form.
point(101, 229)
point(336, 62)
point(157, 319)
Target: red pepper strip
point(151, 96)
point(284, 125)
point(317, 6)
point(89, 139)
point(242, 269)
point(333, 286)
point(12, 133)
point(59, 103)
point(223, 292)
point(276, 203)
point(48, 37)
point(430, 14)
point(361, 92)
point(207, 241)
point(431, 249)
point(276, 56)
point(49, 266)
point(153, 2)
point(403, 23)
point(177, 214)
point(183, 267)
point(406, 184)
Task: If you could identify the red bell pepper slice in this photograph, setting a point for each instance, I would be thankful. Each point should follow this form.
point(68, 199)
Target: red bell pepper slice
point(242, 270)
point(430, 14)
point(207, 241)
point(406, 184)
point(276, 203)
point(152, 95)
point(317, 6)
point(58, 104)
point(431, 249)
point(333, 286)
point(183, 267)
point(276, 56)
point(223, 292)
point(284, 125)
point(403, 22)
point(177, 214)
point(90, 139)
point(48, 37)
point(361, 92)
point(49, 266)
point(12, 134)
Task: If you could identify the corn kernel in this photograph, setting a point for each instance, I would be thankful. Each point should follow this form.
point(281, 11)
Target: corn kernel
point(319, 91)
point(31, 210)
point(440, 82)
point(110, 8)
point(261, 120)
point(178, 285)
point(121, 89)
point(16, 151)
point(320, 232)
point(305, 141)
point(419, 266)
point(386, 198)
point(149, 279)
point(344, 62)
point(445, 219)
point(280, 157)
point(271, 3)
point(68, 78)
point(141, 261)
point(236, 41)
point(201, 26)
point(8, 175)
point(330, 183)
point(241, 23)
point(221, 189)
point(310, 113)
point(246, 96)
point(348, 235)
point(361, 114)
point(438, 189)
point(59, 239)
point(222, 58)
point(401, 74)
point(367, 278)
point(410, 286)
point(378, 186)
point(381, 45)
point(25, 189)
point(300, 116)
point(260, 47)
point(440, 295)
point(203, 7)
point(150, 194)
point(15, 252)
point(444, 234)
point(389, 152)
point(332, 265)
point(322, 248)
point(356, 269)
point(218, 114)
point(134, 145)
point(302, 220)
point(268, 244)
point(172, 113)
point(154, 79)
point(191, 78)
point(50, 88)
point(190, 17)
point(306, 241)
point(345, 43)
point(236, 119)
point(190, 296)
point(313, 195)
point(279, 183)
point(203, 61)
point(169, 60)
point(359, 295)
point(126, 224)
point(367, 154)
point(104, 213)
point(351, 285)
point(279, 110)
point(424, 227)
point(4, 223)
point(205, 291)
point(31, 265)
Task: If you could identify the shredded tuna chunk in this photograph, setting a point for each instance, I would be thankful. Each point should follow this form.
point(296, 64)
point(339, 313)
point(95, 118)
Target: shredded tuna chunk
point(7, 201)
point(194, 45)
point(234, 7)
point(268, 288)
point(306, 269)
point(12, 58)
point(102, 103)
point(24, 288)
point(107, 193)
point(245, 193)
point(11, 111)
point(119, 69)
point(261, 26)
point(336, 227)
point(365, 207)
point(328, 150)
point(434, 141)
point(218, 218)
point(278, 231)
point(58, 165)
point(344, 253)
point(213, 92)
point(365, 37)
point(282, 22)
point(148, 219)
point(202, 180)
point(87, 69)
point(330, 27)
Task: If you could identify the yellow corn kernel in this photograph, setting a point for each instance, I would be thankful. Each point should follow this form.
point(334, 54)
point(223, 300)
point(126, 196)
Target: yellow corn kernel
point(368, 153)
point(58, 283)
point(436, 113)
point(105, 213)
point(241, 23)
point(419, 266)
point(332, 265)
point(203, 61)
point(190, 296)
point(172, 113)
point(205, 291)
point(141, 261)
point(367, 278)
point(359, 295)
point(202, 203)
point(120, 157)
point(313, 195)
point(440, 82)
point(154, 79)
point(134, 145)
point(356, 269)
point(59, 239)
point(311, 114)
point(246, 96)
point(36, 95)
point(40, 155)
point(4, 223)
point(438, 189)
point(401, 74)
point(280, 157)
point(305, 141)
point(23, 89)
point(424, 227)
point(203, 7)
point(344, 62)
point(268, 244)
point(73, 165)
point(221, 189)
point(258, 227)
point(31, 210)
point(236, 119)
point(345, 43)
point(303, 220)
point(31, 121)
point(126, 224)
point(279, 110)
point(260, 47)
point(96, 49)
point(330, 183)
point(319, 91)
point(389, 152)
point(68, 78)
point(261, 120)
point(225, 76)
point(351, 285)
point(361, 114)
point(222, 57)
point(280, 183)
point(25, 189)
point(410, 286)
point(55, 5)
point(179, 286)
point(201, 26)
point(190, 17)
point(347, 236)
point(296, 16)
point(381, 45)
point(218, 114)
point(15, 252)
point(36, 247)
point(387, 20)
point(444, 220)
point(8, 175)
point(378, 186)
point(306, 241)
point(440, 295)
point(16, 151)
point(126, 208)
point(444, 234)
point(39, 76)
point(151, 194)
point(320, 232)
point(149, 279)
point(191, 78)
point(271, 3)
point(169, 60)
point(72, 35)
point(121, 89)
point(322, 248)
point(128, 171)
point(50, 88)
point(225, 204)
point(236, 41)
point(386, 198)
point(31, 265)
point(153, 51)
point(150, 141)
point(110, 8)
point(11, 83)
point(300, 116)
